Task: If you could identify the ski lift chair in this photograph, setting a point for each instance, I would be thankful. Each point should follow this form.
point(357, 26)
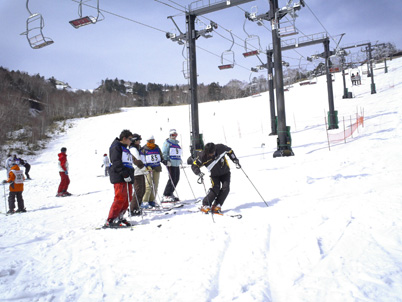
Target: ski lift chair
point(250, 49)
point(228, 55)
point(287, 28)
point(312, 80)
point(247, 42)
point(34, 34)
point(82, 21)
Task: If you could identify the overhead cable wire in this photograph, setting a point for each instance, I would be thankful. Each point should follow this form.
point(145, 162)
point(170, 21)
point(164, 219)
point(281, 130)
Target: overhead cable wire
point(160, 30)
point(122, 17)
point(161, 2)
point(320, 22)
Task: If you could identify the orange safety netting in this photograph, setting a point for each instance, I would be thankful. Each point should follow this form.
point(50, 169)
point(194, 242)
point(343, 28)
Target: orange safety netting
point(347, 132)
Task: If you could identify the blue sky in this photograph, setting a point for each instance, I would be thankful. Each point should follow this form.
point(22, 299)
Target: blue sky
point(120, 48)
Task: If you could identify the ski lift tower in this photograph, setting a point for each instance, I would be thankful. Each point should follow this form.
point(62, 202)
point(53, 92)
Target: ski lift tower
point(198, 8)
point(274, 15)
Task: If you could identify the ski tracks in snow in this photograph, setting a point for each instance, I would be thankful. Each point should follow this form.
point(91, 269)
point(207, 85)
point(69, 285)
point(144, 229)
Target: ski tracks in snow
point(247, 244)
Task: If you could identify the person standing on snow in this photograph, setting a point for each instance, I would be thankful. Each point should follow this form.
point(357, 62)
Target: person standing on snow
point(171, 152)
point(9, 162)
point(16, 180)
point(106, 164)
point(151, 156)
point(213, 158)
point(63, 170)
point(26, 165)
point(122, 177)
point(139, 176)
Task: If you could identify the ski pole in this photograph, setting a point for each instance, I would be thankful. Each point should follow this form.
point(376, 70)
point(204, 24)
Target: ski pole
point(254, 187)
point(136, 200)
point(188, 181)
point(129, 206)
point(171, 180)
point(151, 184)
point(5, 200)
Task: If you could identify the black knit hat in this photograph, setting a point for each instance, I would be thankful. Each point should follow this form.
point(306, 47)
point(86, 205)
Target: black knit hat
point(64, 149)
point(210, 148)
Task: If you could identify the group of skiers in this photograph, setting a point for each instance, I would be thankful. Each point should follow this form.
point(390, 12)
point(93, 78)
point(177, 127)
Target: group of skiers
point(135, 171)
point(15, 177)
point(140, 167)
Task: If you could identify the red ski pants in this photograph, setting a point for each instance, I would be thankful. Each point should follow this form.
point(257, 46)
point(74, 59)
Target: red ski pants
point(65, 181)
point(120, 203)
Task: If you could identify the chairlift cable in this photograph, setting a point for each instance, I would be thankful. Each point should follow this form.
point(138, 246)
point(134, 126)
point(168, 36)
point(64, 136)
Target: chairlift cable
point(320, 22)
point(161, 2)
point(125, 18)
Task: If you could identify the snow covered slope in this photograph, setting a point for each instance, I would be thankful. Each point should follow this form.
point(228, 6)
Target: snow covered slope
point(332, 231)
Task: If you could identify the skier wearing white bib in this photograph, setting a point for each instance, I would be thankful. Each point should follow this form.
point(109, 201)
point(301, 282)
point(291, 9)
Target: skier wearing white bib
point(151, 156)
point(171, 151)
point(16, 180)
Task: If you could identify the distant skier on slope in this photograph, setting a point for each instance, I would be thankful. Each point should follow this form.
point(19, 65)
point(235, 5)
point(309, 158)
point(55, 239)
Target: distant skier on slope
point(10, 162)
point(27, 167)
point(213, 158)
point(106, 164)
point(16, 180)
point(63, 171)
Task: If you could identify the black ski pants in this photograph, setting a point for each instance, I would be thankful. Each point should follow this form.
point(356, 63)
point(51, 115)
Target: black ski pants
point(219, 190)
point(11, 200)
point(173, 180)
point(27, 168)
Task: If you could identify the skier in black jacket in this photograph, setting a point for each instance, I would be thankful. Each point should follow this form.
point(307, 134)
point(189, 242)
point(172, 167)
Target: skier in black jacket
point(122, 177)
point(213, 158)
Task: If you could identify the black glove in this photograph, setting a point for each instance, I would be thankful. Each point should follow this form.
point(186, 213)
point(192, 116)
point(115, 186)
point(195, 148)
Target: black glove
point(236, 162)
point(164, 162)
point(4, 181)
point(200, 178)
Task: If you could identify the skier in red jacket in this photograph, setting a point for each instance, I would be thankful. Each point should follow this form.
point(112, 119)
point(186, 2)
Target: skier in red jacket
point(63, 170)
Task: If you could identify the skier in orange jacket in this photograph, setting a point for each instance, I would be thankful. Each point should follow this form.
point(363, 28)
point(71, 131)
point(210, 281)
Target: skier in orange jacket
point(16, 179)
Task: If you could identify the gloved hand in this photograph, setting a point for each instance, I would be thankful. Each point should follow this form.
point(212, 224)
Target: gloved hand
point(66, 172)
point(236, 162)
point(4, 181)
point(127, 179)
point(102, 166)
point(200, 178)
point(168, 163)
point(164, 162)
